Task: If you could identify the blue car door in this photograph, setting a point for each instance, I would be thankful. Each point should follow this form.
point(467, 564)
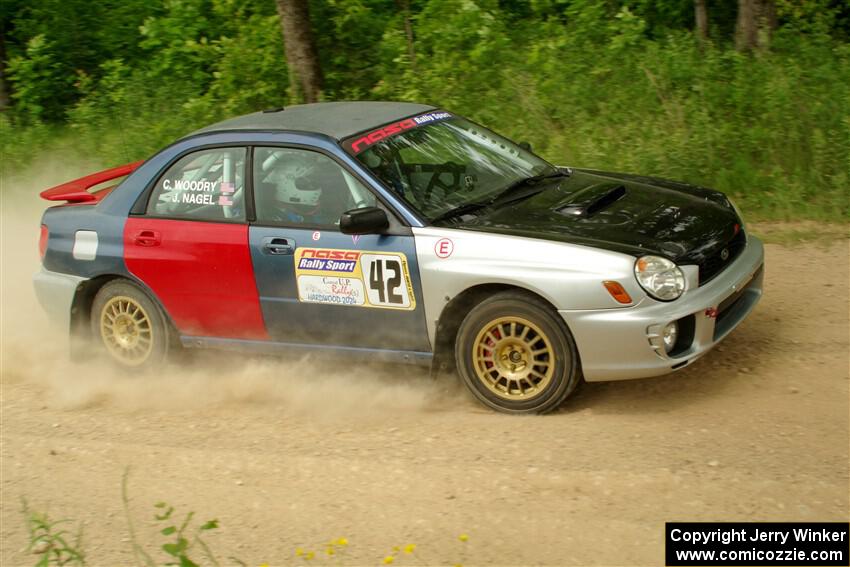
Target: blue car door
point(318, 286)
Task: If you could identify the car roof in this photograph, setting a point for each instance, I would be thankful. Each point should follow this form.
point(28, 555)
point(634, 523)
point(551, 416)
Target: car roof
point(335, 119)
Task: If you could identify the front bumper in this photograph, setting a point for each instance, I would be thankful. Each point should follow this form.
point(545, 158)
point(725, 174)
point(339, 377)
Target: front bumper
point(615, 344)
point(56, 293)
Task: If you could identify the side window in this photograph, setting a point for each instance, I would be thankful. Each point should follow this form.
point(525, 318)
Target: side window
point(204, 185)
point(294, 187)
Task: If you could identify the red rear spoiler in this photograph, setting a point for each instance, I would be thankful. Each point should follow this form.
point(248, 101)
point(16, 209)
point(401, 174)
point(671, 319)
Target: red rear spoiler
point(76, 191)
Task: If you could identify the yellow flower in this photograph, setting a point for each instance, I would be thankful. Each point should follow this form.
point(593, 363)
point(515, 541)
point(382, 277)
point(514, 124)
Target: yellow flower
point(330, 551)
point(309, 555)
point(388, 559)
point(342, 541)
point(463, 537)
point(458, 565)
point(264, 565)
point(299, 552)
point(409, 547)
point(396, 548)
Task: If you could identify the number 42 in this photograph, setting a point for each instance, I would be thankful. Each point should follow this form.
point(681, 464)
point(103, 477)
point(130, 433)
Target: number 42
point(387, 289)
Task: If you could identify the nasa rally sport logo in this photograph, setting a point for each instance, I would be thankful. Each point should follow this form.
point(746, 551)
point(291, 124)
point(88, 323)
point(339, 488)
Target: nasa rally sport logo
point(344, 261)
point(724, 254)
point(395, 128)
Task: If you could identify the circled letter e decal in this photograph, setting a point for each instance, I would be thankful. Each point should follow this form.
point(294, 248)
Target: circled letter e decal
point(444, 248)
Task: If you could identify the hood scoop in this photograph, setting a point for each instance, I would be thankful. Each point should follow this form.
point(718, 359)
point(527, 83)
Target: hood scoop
point(590, 200)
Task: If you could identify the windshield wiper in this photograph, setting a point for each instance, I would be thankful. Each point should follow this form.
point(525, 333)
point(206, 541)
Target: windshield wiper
point(459, 211)
point(507, 194)
point(502, 196)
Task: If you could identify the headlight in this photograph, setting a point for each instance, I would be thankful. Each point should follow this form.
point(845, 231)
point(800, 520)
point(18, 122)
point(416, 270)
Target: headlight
point(737, 210)
point(660, 277)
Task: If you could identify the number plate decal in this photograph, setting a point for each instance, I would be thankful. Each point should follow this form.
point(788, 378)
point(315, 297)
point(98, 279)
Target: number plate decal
point(353, 277)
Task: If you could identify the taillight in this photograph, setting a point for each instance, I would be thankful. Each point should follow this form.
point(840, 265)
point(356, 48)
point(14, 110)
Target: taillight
point(42, 241)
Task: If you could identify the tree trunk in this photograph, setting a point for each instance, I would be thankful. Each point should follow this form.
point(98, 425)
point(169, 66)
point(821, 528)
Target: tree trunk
point(404, 6)
point(301, 54)
point(756, 23)
point(746, 28)
point(701, 17)
point(4, 90)
point(767, 19)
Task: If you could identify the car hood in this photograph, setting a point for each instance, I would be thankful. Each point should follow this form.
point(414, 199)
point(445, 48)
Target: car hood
point(620, 212)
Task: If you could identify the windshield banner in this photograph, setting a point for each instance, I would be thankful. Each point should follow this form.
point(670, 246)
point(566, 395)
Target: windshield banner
point(360, 142)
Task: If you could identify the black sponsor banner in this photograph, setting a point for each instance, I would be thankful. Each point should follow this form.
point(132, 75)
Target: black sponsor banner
point(757, 543)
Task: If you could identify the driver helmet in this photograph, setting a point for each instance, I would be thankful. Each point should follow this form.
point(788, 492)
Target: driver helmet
point(302, 192)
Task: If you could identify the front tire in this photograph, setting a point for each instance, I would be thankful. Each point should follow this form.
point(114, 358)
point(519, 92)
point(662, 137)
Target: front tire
point(129, 326)
point(516, 355)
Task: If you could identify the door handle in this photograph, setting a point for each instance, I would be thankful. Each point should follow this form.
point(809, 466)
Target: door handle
point(147, 238)
point(278, 246)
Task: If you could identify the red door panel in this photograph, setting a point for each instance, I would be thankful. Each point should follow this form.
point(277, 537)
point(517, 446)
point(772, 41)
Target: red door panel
point(201, 272)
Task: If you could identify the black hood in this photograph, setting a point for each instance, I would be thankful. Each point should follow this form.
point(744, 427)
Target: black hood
point(619, 212)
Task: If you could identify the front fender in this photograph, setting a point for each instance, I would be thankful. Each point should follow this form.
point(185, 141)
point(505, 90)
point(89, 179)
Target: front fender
point(566, 275)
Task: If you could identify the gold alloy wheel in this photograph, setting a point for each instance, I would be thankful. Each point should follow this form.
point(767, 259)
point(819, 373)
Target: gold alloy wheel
point(126, 330)
point(513, 358)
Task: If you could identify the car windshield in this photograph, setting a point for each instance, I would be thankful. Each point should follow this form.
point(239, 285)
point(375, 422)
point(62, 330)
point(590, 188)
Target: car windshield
point(447, 165)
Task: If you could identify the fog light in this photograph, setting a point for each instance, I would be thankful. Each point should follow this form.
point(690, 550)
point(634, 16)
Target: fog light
point(670, 334)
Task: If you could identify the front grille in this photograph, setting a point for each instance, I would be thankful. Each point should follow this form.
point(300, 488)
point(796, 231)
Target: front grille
point(715, 264)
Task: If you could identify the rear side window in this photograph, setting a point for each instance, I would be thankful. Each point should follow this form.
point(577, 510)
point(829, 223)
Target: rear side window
point(204, 185)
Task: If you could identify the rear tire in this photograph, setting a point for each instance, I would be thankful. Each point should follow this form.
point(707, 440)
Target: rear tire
point(516, 355)
point(129, 326)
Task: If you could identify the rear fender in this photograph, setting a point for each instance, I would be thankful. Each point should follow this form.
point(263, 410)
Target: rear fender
point(81, 311)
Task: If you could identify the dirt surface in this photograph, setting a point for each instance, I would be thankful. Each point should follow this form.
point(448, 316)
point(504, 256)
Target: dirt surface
point(290, 454)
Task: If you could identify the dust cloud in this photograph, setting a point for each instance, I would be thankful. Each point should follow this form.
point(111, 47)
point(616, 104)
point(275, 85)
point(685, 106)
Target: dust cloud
point(34, 351)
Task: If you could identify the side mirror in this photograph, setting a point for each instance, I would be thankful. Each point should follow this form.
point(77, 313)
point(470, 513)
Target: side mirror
point(368, 220)
point(525, 145)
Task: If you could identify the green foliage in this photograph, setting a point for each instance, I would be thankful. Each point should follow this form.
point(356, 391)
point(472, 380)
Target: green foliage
point(51, 547)
point(49, 542)
point(458, 44)
point(348, 33)
point(619, 85)
point(182, 538)
point(51, 43)
point(183, 541)
point(589, 88)
point(200, 61)
point(246, 78)
point(37, 75)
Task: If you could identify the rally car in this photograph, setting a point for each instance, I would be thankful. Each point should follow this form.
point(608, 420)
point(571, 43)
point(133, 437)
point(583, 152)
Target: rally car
point(398, 232)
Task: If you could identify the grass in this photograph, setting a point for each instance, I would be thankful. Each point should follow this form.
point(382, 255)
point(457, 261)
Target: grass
point(800, 232)
point(49, 541)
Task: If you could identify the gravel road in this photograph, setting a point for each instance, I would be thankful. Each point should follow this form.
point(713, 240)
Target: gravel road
point(288, 454)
